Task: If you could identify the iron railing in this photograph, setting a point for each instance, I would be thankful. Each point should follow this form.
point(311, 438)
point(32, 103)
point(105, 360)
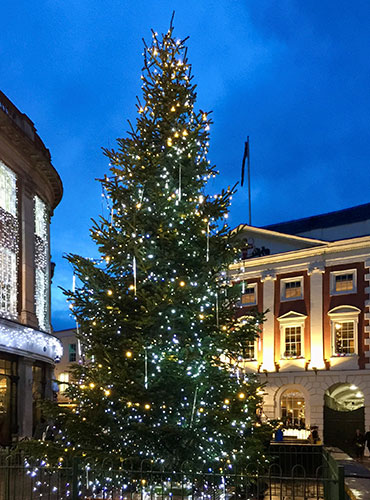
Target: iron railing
point(27, 479)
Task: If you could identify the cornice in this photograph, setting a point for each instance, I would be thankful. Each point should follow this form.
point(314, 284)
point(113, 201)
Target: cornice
point(324, 251)
point(34, 152)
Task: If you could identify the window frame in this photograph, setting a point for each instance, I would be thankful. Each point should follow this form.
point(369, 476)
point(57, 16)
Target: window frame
point(288, 320)
point(343, 314)
point(283, 283)
point(70, 351)
point(334, 274)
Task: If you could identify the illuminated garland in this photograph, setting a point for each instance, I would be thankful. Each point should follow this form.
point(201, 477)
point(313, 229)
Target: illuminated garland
point(15, 337)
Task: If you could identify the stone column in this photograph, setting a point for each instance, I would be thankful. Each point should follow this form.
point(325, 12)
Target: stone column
point(316, 319)
point(24, 396)
point(268, 335)
point(27, 257)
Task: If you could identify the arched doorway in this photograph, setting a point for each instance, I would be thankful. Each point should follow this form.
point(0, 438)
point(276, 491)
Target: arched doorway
point(343, 414)
point(293, 408)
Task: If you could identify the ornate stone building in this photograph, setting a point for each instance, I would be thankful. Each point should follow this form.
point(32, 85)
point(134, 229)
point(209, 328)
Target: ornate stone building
point(30, 189)
point(313, 350)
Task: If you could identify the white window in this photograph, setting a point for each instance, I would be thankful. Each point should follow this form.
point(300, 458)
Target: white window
point(8, 190)
point(8, 283)
point(292, 288)
point(293, 342)
point(292, 335)
point(344, 330)
point(249, 294)
point(343, 282)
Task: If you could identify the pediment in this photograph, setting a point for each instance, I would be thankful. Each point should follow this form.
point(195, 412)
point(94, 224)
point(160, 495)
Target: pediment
point(344, 310)
point(292, 315)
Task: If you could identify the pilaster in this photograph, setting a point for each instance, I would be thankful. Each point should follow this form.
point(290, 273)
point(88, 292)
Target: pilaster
point(27, 256)
point(268, 362)
point(316, 315)
point(24, 396)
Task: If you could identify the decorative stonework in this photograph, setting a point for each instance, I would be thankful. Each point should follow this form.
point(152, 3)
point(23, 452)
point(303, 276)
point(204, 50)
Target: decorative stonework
point(316, 267)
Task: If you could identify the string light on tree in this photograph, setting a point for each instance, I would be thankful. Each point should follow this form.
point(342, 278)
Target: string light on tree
point(156, 386)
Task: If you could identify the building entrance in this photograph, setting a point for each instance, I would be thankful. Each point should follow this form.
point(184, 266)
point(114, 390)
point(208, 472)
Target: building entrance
point(343, 414)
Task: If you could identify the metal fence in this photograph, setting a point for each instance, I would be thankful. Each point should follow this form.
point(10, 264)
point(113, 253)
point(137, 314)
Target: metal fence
point(26, 479)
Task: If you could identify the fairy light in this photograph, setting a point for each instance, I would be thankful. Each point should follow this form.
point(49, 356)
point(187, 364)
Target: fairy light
point(161, 334)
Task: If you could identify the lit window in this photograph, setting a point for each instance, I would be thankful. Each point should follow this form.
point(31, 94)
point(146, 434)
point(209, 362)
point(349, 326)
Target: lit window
point(292, 289)
point(342, 282)
point(344, 337)
point(292, 326)
point(293, 408)
point(72, 353)
point(293, 342)
point(344, 327)
point(64, 379)
point(249, 296)
point(249, 350)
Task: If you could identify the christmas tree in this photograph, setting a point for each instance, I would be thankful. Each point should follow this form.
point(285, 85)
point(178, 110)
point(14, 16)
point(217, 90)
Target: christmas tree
point(162, 378)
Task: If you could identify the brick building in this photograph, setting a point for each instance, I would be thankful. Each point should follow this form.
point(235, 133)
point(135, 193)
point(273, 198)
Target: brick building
point(313, 351)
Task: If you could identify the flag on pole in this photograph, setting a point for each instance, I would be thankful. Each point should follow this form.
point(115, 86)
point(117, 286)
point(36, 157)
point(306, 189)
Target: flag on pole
point(246, 155)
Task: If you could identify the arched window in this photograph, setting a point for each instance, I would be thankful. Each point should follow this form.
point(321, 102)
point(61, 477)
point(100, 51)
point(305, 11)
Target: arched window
point(292, 405)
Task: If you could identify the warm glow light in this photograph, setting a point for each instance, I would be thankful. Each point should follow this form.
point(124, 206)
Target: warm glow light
point(147, 406)
point(128, 354)
point(182, 283)
point(241, 395)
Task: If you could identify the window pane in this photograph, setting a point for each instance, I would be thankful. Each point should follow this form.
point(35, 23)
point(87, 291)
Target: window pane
point(344, 337)
point(293, 341)
point(293, 289)
point(293, 408)
point(343, 282)
point(249, 350)
point(249, 295)
point(72, 353)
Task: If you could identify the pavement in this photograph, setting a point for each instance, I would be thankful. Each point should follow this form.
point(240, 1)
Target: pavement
point(356, 474)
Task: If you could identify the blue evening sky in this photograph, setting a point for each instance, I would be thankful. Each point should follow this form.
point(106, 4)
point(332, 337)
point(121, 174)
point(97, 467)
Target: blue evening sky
point(293, 75)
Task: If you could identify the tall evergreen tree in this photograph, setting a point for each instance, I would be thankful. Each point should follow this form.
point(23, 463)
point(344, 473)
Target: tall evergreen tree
point(156, 315)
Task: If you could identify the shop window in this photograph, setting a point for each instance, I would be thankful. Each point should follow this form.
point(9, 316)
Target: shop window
point(8, 400)
point(292, 404)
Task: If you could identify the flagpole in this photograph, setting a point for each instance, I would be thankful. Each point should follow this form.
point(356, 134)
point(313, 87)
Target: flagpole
point(249, 182)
